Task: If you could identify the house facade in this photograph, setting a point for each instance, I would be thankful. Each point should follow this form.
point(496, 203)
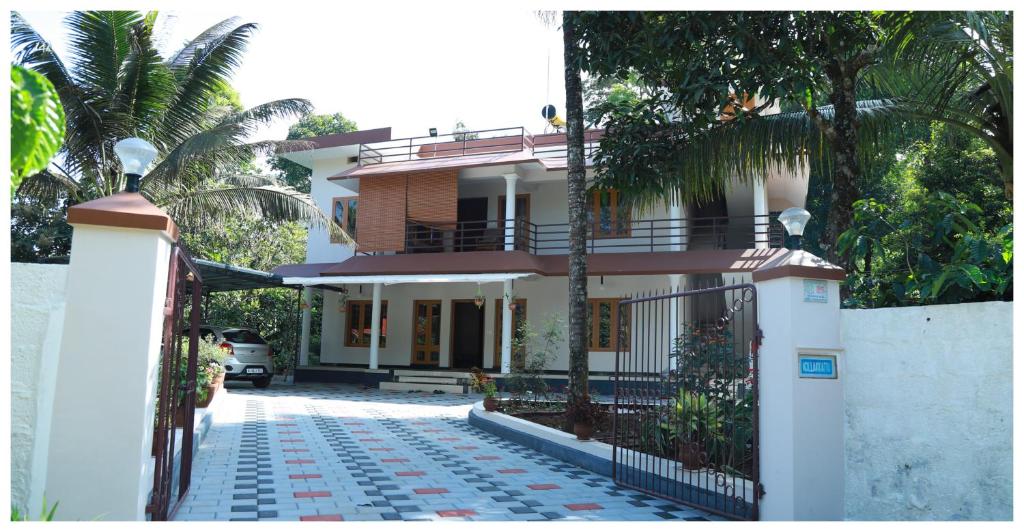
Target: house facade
point(459, 238)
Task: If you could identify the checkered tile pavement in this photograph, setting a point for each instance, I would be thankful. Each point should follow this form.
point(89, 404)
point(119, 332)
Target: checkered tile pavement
point(338, 452)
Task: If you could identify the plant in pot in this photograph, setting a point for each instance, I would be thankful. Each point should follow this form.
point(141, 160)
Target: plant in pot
point(693, 423)
point(490, 391)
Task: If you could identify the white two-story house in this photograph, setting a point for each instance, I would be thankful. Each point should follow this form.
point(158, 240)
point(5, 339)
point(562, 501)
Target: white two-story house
point(460, 237)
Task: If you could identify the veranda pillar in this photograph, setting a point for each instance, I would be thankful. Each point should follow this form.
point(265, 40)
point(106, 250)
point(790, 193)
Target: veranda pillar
point(801, 388)
point(375, 328)
point(510, 211)
point(506, 328)
point(307, 319)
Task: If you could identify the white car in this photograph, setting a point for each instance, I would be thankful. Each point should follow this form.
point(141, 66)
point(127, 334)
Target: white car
point(250, 357)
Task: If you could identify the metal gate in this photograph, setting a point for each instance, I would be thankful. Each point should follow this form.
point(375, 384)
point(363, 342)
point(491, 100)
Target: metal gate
point(176, 389)
point(685, 422)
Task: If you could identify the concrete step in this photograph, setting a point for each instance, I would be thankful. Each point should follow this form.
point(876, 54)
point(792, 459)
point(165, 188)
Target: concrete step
point(431, 373)
point(421, 387)
point(428, 380)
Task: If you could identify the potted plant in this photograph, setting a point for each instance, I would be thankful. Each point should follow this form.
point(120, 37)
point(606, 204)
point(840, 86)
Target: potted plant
point(490, 396)
point(479, 382)
point(694, 421)
point(479, 299)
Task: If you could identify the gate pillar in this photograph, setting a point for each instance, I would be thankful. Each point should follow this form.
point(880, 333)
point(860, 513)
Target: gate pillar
point(99, 463)
point(801, 388)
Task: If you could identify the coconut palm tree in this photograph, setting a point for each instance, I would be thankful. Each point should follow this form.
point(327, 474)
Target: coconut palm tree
point(115, 84)
point(577, 183)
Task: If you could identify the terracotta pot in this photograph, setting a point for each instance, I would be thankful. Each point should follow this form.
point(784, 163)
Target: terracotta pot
point(210, 390)
point(490, 404)
point(583, 431)
point(689, 454)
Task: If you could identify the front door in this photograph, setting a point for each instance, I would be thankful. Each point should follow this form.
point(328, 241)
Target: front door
point(426, 333)
point(467, 335)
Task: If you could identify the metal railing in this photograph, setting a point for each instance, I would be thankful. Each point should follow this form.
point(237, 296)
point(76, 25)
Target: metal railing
point(623, 236)
point(463, 143)
point(477, 235)
point(458, 144)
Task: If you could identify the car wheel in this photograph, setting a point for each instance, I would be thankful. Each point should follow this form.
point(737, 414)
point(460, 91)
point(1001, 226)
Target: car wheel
point(262, 382)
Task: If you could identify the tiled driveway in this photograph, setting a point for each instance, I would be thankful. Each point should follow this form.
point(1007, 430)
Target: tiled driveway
point(339, 452)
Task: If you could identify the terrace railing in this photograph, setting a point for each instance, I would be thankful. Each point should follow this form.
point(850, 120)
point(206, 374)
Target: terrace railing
point(654, 235)
point(458, 144)
point(463, 143)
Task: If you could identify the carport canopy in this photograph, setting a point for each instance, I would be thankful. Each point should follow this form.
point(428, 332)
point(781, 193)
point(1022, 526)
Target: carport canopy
point(222, 277)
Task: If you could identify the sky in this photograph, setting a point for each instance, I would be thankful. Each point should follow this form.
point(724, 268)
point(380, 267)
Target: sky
point(410, 68)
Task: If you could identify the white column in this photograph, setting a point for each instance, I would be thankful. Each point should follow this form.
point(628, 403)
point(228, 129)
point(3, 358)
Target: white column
point(676, 222)
point(510, 211)
point(801, 414)
point(101, 432)
point(674, 280)
point(760, 215)
point(307, 318)
point(506, 329)
point(375, 328)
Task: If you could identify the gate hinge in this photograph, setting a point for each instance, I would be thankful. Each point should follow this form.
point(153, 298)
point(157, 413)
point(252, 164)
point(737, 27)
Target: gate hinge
point(760, 490)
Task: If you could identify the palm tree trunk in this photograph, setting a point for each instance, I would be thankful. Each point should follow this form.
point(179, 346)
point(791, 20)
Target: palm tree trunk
point(577, 183)
point(843, 139)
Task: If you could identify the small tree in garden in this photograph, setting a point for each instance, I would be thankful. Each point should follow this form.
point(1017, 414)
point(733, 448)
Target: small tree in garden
point(538, 349)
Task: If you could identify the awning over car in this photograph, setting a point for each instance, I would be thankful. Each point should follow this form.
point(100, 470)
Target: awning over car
point(222, 277)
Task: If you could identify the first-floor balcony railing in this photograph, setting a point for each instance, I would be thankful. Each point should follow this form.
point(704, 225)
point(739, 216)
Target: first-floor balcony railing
point(621, 236)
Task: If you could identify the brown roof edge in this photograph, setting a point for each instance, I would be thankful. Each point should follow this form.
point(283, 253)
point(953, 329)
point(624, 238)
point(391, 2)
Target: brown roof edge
point(798, 263)
point(351, 138)
point(125, 209)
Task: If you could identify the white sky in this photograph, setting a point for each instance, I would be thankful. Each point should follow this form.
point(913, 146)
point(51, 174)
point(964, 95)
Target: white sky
point(410, 68)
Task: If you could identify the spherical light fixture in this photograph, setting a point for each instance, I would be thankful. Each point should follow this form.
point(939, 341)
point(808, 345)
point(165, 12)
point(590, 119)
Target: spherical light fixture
point(794, 219)
point(135, 155)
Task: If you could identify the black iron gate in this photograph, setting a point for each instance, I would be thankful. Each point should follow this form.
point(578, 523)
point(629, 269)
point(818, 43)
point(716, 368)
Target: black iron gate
point(685, 418)
point(176, 389)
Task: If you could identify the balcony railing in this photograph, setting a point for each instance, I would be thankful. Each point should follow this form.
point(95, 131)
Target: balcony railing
point(463, 143)
point(654, 235)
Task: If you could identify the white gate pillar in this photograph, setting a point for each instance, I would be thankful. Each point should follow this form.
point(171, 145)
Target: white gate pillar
point(105, 401)
point(801, 388)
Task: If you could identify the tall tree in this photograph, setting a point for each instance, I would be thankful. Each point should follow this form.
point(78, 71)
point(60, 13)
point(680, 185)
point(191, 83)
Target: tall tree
point(294, 174)
point(698, 67)
point(577, 184)
point(115, 84)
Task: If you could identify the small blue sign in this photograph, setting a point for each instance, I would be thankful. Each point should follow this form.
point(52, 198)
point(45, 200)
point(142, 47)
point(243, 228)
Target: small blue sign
point(817, 366)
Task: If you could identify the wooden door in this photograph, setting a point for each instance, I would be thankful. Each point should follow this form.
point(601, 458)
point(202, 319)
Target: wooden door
point(467, 334)
point(426, 332)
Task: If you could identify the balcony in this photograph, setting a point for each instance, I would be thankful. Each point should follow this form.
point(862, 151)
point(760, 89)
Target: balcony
point(466, 143)
point(654, 235)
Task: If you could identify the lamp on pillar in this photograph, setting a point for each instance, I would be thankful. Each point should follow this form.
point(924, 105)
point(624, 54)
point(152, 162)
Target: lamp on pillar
point(135, 155)
point(794, 219)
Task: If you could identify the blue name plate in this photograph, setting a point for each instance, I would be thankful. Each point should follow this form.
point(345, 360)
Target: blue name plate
point(817, 366)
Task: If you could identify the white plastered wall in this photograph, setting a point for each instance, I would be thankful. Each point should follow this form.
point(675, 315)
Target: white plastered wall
point(929, 408)
point(37, 319)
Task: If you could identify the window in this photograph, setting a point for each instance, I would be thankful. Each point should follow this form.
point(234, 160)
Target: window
point(344, 214)
point(607, 214)
point(602, 329)
point(242, 336)
point(360, 316)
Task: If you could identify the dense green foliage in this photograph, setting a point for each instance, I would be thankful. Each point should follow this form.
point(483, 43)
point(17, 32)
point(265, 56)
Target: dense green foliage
point(295, 175)
point(928, 239)
point(273, 312)
point(37, 123)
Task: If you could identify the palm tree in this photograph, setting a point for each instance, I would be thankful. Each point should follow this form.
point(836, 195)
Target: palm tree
point(115, 84)
point(577, 183)
point(955, 67)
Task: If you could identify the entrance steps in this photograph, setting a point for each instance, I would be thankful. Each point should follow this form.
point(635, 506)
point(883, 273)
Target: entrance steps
point(427, 381)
